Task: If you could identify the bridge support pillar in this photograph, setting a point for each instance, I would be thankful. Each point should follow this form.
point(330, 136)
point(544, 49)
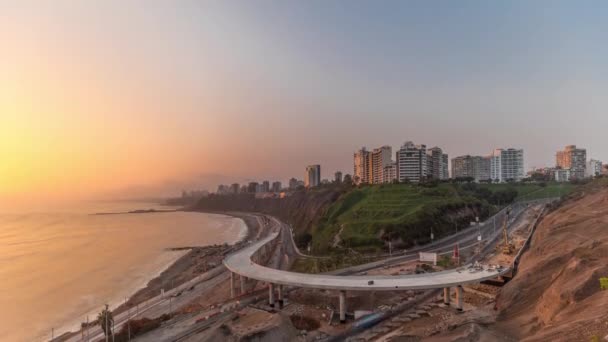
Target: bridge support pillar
point(446, 296)
point(459, 298)
point(280, 295)
point(232, 294)
point(243, 284)
point(271, 294)
point(342, 306)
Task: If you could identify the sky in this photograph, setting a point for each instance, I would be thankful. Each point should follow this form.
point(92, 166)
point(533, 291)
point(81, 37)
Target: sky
point(104, 99)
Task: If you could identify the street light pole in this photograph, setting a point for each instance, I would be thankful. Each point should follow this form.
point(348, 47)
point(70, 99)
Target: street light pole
point(106, 316)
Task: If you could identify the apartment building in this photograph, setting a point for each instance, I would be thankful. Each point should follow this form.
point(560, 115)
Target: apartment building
point(380, 158)
point(411, 163)
point(476, 167)
point(313, 176)
point(389, 174)
point(506, 164)
point(338, 177)
point(573, 159)
point(437, 167)
point(362, 171)
point(594, 168)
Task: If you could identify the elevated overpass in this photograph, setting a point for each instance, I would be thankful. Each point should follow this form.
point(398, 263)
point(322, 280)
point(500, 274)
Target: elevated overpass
point(245, 264)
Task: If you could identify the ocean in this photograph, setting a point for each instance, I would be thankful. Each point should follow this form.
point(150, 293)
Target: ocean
point(57, 267)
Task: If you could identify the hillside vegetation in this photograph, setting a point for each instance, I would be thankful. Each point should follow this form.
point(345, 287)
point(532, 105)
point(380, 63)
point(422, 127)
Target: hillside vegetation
point(366, 218)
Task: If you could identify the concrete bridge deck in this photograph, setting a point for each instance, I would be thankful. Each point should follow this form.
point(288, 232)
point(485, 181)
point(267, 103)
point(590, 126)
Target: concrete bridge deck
point(241, 263)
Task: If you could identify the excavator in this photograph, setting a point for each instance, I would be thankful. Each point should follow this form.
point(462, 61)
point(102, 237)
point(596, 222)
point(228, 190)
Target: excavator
point(507, 247)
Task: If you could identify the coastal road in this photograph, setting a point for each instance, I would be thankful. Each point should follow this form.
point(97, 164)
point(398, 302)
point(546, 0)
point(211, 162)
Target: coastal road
point(162, 304)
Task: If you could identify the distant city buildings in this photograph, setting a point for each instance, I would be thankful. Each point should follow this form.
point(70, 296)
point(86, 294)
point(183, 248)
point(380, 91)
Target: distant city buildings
point(573, 159)
point(415, 163)
point(411, 163)
point(501, 166)
point(313, 176)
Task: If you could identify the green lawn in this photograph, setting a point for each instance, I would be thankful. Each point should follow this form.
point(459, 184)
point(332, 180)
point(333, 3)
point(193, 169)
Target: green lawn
point(366, 215)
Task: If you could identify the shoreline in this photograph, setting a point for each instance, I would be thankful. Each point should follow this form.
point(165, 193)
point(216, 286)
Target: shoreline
point(193, 261)
point(186, 267)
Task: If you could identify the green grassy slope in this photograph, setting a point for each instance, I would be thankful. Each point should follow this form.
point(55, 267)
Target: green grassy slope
point(364, 218)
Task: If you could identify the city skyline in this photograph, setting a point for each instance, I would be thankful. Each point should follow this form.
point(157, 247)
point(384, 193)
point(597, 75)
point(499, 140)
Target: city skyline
point(106, 100)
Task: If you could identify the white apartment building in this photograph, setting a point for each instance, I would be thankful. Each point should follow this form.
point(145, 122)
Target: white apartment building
point(561, 175)
point(411, 162)
point(507, 164)
point(594, 168)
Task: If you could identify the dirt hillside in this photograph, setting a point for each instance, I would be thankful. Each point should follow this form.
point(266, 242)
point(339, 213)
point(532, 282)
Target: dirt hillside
point(556, 295)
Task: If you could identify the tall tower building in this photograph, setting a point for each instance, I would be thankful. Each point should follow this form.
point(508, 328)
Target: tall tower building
point(411, 162)
point(573, 159)
point(313, 176)
point(437, 164)
point(362, 170)
point(380, 159)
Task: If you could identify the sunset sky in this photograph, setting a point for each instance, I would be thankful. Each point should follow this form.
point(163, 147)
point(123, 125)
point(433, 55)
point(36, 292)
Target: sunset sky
point(106, 99)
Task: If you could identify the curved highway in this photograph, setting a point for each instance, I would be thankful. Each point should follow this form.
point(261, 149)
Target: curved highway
point(241, 263)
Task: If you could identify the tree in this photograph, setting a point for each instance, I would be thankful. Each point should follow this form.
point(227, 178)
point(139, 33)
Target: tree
point(105, 320)
point(348, 180)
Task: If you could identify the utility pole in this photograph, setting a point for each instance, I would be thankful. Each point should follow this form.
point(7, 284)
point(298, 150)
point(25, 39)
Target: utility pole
point(129, 323)
point(107, 331)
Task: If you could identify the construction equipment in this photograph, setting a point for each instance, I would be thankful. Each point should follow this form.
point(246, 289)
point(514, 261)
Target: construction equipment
point(507, 246)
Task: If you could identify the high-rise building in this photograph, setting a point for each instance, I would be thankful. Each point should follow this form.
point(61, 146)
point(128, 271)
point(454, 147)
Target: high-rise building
point(362, 172)
point(265, 186)
point(276, 186)
point(507, 165)
point(389, 174)
point(411, 163)
point(594, 168)
point(437, 164)
point(252, 187)
point(313, 176)
point(512, 164)
point(496, 166)
point(380, 158)
point(445, 165)
point(573, 159)
point(338, 177)
point(475, 167)
point(234, 188)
